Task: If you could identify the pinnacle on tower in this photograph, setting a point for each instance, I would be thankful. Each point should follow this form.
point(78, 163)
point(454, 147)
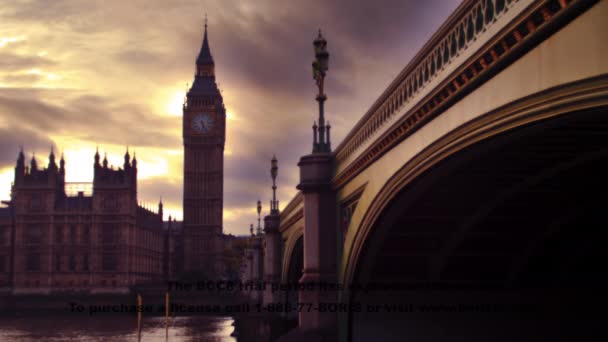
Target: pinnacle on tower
point(160, 207)
point(52, 164)
point(127, 159)
point(204, 56)
point(97, 156)
point(204, 77)
point(21, 158)
point(33, 163)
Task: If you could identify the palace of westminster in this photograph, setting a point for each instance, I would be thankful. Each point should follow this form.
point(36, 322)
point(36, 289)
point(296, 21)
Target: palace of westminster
point(55, 238)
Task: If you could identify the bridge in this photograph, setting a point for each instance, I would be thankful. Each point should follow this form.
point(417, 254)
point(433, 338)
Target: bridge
point(480, 169)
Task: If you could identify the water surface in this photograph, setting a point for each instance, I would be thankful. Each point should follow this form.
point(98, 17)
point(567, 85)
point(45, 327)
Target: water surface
point(59, 328)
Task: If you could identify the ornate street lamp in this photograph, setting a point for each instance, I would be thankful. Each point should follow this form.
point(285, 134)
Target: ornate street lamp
point(321, 142)
point(259, 212)
point(274, 170)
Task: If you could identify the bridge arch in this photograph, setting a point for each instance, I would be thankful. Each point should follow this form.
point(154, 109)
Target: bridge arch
point(293, 250)
point(293, 266)
point(396, 242)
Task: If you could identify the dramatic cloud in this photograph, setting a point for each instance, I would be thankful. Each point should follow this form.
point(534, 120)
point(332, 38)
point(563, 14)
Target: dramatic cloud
point(82, 74)
point(14, 138)
point(10, 61)
point(88, 116)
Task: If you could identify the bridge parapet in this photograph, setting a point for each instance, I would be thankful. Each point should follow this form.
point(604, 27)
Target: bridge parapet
point(473, 41)
point(291, 212)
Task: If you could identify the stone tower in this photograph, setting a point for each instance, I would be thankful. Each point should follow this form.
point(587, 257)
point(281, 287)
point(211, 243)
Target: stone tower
point(204, 134)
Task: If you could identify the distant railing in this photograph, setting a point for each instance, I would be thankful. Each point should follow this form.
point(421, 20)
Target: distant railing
point(75, 188)
point(470, 20)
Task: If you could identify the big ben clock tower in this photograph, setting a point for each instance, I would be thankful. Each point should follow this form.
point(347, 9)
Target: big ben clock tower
point(204, 134)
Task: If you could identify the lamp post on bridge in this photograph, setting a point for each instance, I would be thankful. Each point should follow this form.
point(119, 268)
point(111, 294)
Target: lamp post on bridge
point(274, 171)
point(259, 231)
point(320, 224)
point(321, 142)
point(255, 247)
point(272, 241)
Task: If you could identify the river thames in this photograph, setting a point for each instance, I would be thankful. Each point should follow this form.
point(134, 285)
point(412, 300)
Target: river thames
point(61, 328)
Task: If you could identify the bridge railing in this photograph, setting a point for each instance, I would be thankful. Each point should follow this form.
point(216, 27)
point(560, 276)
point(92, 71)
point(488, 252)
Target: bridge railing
point(290, 213)
point(472, 24)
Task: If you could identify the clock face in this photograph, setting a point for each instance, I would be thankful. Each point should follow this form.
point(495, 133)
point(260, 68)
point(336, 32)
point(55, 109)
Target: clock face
point(202, 123)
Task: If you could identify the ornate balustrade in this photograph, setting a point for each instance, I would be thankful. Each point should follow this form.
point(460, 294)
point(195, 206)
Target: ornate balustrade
point(479, 38)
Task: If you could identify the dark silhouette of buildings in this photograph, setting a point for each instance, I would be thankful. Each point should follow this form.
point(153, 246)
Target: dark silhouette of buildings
point(94, 237)
point(91, 237)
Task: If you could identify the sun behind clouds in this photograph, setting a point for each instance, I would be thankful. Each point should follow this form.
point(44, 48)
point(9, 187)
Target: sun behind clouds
point(175, 103)
point(79, 74)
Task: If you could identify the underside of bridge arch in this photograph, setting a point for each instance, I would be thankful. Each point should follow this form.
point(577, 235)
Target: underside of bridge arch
point(294, 273)
point(501, 241)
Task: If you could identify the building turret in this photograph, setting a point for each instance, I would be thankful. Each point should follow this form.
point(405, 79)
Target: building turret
point(160, 209)
point(62, 165)
point(126, 164)
point(39, 177)
point(20, 167)
point(97, 157)
point(133, 172)
point(33, 163)
point(52, 164)
point(106, 176)
point(21, 159)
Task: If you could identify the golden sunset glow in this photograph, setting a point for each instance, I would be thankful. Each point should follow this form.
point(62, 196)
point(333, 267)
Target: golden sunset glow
point(344, 170)
point(77, 76)
point(6, 178)
point(8, 40)
point(176, 101)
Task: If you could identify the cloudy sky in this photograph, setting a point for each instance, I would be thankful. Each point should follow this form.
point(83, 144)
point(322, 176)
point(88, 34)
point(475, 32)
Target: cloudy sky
point(113, 73)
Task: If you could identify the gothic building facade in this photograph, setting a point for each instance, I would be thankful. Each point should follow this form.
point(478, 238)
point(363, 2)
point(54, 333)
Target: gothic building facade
point(94, 239)
point(53, 238)
point(204, 135)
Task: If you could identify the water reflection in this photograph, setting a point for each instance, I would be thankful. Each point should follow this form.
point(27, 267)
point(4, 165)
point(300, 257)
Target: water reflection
point(115, 328)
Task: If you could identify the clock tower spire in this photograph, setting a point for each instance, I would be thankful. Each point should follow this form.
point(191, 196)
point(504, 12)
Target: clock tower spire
point(204, 61)
point(204, 135)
